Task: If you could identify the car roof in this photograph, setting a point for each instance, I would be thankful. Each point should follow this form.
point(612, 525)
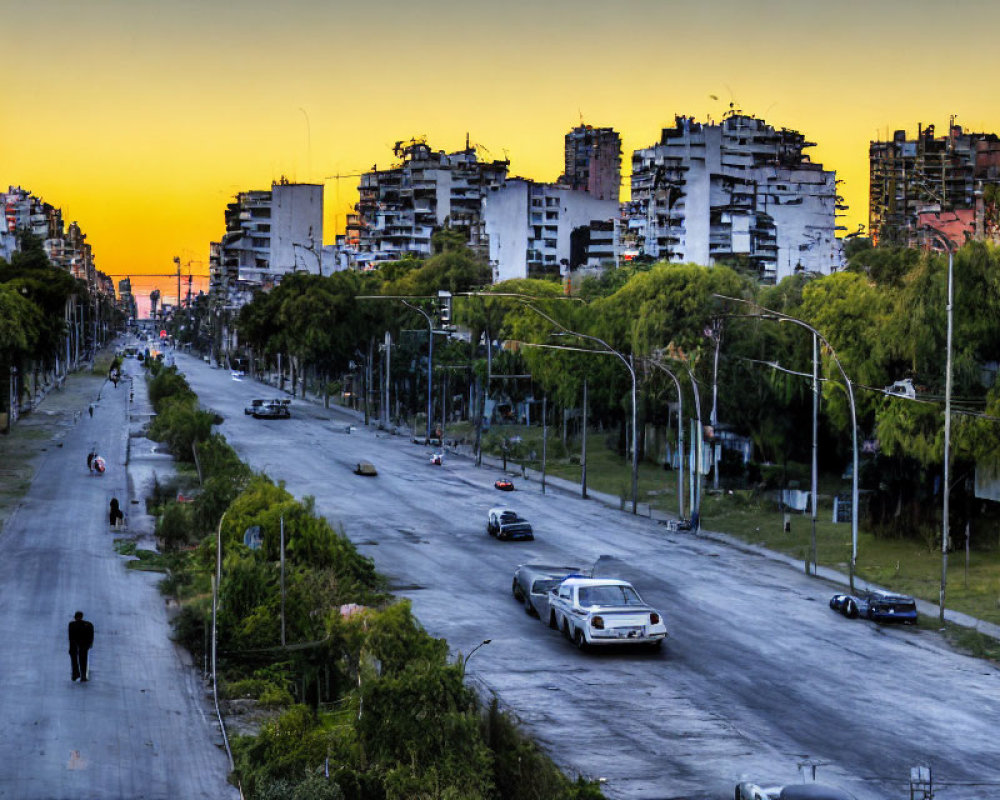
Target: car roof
point(501, 510)
point(595, 582)
point(814, 791)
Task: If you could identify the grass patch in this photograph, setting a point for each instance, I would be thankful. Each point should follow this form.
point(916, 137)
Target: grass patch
point(969, 641)
point(125, 547)
point(150, 561)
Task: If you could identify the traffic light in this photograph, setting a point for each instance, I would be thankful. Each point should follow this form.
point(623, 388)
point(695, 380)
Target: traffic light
point(444, 308)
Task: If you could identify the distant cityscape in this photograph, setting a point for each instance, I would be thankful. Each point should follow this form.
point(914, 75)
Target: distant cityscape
point(739, 192)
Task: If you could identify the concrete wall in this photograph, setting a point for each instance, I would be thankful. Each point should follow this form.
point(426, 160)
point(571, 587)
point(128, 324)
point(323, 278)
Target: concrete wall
point(296, 218)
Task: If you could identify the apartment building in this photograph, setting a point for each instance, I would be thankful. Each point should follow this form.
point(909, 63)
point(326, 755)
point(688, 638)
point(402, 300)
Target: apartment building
point(593, 161)
point(546, 229)
point(738, 192)
point(950, 182)
point(269, 233)
point(399, 208)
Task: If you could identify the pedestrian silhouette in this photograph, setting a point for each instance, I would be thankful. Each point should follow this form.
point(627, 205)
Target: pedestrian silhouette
point(91, 409)
point(90, 460)
point(81, 639)
point(115, 514)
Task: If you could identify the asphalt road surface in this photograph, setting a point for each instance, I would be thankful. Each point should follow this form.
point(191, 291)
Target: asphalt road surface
point(757, 676)
point(140, 727)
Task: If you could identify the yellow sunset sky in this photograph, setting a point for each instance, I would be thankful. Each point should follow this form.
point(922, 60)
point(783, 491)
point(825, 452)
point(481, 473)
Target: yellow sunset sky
point(142, 119)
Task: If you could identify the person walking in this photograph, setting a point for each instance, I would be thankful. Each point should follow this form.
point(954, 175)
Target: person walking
point(115, 513)
point(81, 639)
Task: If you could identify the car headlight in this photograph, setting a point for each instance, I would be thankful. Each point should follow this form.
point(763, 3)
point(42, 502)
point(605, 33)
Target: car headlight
point(597, 622)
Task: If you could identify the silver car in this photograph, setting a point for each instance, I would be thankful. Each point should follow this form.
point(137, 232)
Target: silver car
point(532, 583)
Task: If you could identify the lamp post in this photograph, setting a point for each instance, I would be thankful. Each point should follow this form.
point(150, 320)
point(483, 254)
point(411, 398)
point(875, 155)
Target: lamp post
point(430, 362)
point(946, 486)
point(635, 433)
point(680, 437)
point(767, 313)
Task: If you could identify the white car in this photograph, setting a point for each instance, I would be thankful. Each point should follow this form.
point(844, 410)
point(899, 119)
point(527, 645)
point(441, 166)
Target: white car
point(604, 611)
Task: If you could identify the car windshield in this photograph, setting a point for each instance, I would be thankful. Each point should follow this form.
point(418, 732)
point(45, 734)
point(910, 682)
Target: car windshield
point(610, 595)
point(544, 585)
point(509, 516)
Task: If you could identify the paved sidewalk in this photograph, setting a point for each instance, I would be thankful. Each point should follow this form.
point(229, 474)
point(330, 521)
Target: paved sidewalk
point(141, 727)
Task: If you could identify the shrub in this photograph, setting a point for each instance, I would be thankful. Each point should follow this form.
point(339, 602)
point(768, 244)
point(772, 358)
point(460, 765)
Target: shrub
point(174, 528)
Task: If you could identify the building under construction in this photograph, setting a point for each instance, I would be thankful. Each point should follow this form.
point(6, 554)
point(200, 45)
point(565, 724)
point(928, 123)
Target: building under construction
point(946, 181)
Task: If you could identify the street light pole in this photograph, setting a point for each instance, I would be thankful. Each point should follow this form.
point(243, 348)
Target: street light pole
point(946, 487)
point(680, 438)
point(777, 315)
point(430, 363)
point(564, 331)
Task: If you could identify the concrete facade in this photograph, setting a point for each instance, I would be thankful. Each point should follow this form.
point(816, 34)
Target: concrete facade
point(593, 161)
point(269, 233)
point(401, 207)
point(545, 229)
point(737, 192)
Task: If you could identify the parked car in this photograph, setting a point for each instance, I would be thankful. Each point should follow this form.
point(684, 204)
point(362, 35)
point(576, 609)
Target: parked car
point(797, 791)
point(273, 409)
point(506, 524)
point(504, 484)
point(604, 611)
point(877, 605)
point(533, 582)
point(365, 468)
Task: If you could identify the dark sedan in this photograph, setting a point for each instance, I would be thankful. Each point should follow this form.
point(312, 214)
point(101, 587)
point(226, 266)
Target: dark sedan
point(877, 605)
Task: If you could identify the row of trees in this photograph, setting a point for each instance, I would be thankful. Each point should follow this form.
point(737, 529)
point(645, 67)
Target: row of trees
point(46, 321)
point(884, 316)
point(364, 704)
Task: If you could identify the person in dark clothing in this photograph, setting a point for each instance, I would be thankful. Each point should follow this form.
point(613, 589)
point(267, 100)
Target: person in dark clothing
point(90, 460)
point(81, 639)
point(115, 514)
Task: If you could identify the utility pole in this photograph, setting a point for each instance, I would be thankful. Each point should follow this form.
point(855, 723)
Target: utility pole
point(583, 448)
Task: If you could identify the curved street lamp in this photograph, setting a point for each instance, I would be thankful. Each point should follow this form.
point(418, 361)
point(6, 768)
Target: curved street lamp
point(768, 313)
point(430, 361)
point(946, 486)
point(564, 331)
point(680, 435)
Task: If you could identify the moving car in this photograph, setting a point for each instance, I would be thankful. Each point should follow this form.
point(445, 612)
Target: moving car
point(273, 409)
point(254, 405)
point(604, 611)
point(533, 582)
point(877, 605)
point(504, 484)
point(437, 459)
point(798, 791)
point(365, 468)
point(506, 524)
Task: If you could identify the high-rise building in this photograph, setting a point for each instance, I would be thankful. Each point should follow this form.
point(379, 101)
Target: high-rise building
point(268, 234)
point(401, 207)
point(739, 192)
point(593, 161)
point(948, 181)
point(540, 230)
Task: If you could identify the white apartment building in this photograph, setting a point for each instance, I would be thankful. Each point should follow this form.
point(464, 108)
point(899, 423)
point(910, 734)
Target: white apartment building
point(546, 229)
point(269, 233)
point(738, 192)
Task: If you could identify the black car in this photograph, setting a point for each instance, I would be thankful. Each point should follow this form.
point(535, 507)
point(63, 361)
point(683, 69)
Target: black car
point(275, 409)
point(877, 605)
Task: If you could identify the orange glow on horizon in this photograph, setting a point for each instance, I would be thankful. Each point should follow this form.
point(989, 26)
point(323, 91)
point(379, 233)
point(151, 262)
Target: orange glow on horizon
point(141, 120)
